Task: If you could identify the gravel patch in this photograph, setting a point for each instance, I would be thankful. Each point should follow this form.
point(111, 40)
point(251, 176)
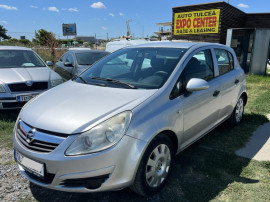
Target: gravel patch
point(13, 186)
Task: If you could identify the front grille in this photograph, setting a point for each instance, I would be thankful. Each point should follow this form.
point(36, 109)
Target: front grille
point(18, 87)
point(7, 105)
point(34, 143)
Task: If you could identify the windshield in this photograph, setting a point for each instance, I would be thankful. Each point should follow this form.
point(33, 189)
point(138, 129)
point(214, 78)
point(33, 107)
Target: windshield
point(19, 59)
point(146, 68)
point(89, 58)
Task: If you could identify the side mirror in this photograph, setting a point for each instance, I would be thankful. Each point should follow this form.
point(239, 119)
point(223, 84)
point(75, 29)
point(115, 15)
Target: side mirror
point(49, 63)
point(68, 64)
point(196, 84)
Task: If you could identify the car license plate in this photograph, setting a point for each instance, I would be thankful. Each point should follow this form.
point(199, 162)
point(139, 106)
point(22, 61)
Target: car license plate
point(30, 165)
point(25, 98)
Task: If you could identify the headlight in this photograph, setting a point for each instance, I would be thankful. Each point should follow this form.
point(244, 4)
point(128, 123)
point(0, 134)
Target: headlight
point(56, 82)
point(2, 89)
point(102, 136)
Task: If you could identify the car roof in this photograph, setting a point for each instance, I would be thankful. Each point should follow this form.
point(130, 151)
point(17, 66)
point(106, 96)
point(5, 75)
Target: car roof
point(174, 44)
point(85, 50)
point(14, 48)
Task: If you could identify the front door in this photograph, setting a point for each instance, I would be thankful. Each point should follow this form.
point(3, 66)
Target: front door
point(64, 70)
point(201, 108)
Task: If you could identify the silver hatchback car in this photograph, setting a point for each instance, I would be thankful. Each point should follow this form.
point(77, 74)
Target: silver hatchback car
point(121, 122)
point(23, 75)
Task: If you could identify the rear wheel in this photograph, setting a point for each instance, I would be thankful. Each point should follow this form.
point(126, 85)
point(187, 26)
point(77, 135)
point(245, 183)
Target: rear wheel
point(155, 166)
point(237, 114)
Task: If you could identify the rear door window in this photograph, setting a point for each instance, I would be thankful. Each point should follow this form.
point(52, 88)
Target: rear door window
point(225, 64)
point(231, 61)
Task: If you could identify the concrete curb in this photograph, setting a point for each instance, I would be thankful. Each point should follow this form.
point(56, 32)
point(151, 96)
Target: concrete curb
point(258, 147)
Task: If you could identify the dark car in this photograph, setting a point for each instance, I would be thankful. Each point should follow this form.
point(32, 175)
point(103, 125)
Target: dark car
point(75, 61)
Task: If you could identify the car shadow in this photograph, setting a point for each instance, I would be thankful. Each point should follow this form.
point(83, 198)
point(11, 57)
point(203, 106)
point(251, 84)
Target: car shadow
point(199, 173)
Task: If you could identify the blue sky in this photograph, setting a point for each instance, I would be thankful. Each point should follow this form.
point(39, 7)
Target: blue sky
point(23, 17)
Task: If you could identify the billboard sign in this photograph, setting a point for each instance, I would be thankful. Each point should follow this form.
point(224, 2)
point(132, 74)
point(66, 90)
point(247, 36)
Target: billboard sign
point(69, 29)
point(197, 22)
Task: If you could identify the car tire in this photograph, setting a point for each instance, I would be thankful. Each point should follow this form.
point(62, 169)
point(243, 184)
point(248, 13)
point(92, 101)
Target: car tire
point(155, 166)
point(237, 115)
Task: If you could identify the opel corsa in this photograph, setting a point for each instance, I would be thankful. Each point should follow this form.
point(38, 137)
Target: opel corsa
point(121, 122)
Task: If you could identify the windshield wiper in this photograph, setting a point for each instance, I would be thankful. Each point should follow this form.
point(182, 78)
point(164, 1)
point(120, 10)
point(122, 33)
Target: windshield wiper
point(86, 82)
point(114, 81)
point(82, 79)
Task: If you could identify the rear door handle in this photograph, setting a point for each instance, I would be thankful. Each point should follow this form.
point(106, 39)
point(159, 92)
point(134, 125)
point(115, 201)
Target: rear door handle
point(216, 93)
point(236, 81)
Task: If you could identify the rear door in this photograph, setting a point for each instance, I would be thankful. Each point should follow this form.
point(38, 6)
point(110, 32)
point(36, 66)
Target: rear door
point(230, 83)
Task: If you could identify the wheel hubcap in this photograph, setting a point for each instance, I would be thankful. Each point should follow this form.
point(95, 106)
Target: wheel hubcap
point(239, 110)
point(158, 165)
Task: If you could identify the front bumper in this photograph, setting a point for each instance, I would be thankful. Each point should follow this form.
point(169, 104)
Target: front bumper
point(10, 101)
point(111, 169)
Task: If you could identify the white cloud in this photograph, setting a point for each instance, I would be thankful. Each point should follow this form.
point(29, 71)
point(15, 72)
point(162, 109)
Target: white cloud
point(99, 5)
point(4, 22)
point(111, 14)
point(104, 28)
point(73, 10)
point(53, 9)
point(121, 14)
point(243, 5)
point(8, 7)
point(33, 6)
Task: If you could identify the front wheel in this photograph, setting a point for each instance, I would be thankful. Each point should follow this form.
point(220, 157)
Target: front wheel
point(155, 166)
point(237, 114)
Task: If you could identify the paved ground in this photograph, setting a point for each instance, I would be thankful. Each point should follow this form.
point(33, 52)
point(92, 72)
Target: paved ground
point(258, 147)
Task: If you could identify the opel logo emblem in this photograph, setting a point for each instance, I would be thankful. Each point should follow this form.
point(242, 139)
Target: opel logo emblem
point(30, 136)
point(29, 83)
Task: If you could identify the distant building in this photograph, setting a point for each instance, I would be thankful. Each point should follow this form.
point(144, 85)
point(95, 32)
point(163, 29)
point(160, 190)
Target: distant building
point(164, 34)
point(89, 39)
point(219, 22)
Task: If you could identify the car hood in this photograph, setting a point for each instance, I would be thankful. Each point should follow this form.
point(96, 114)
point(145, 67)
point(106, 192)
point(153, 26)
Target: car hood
point(16, 75)
point(72, 107)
